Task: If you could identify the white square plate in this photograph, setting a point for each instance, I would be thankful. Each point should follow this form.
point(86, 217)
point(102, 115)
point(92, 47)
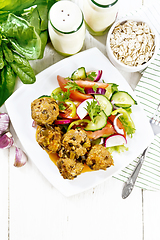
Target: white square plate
point(19, 109)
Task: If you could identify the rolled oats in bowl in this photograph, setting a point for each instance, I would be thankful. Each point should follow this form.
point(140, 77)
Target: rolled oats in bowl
point(131, 44)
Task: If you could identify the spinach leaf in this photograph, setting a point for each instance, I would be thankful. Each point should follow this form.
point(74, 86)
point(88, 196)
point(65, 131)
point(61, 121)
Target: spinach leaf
point(31, 15)
point(23, 69)
point(22, 36)
point(7, 52)
point(1, 58)
point(1, 87)
point(17, 6)
point(7, 84)
point(37, 16)
point(43, 14)
point(44, 38)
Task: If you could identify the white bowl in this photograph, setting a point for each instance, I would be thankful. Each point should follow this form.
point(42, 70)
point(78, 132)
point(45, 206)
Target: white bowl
point(120, 65)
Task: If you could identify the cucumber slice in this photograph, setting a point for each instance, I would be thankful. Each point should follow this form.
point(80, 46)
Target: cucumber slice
point(123, 99)
point(105, 104)
point(80, 73)
point(100, 122)
point(123, 105)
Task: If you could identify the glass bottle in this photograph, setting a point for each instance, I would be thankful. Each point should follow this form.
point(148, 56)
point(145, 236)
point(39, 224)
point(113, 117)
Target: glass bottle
point(99, 15)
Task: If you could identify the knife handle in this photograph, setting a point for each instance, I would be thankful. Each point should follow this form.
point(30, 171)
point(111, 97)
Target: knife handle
point(129, 184)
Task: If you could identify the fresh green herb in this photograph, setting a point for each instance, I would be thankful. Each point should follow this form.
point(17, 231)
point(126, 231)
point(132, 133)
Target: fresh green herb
point(95, 87)
point(114, 87)
point(93, 109)
point(61, 96)
point(72, 85)
point(91, 76)
point(62, 107)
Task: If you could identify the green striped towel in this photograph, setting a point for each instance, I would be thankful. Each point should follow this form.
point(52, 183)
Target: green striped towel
point(148, 94)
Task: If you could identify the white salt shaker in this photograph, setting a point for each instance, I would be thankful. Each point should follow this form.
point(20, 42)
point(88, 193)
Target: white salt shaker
point(66, 27)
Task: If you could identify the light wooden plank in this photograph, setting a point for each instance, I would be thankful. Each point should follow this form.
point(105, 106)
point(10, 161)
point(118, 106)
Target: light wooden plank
point(151, 215)
point(4, 155)
point(4, 194)
point(38, 211)
point(126, 6)
point(149, 2)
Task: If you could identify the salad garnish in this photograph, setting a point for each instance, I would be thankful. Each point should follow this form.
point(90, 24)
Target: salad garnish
point(93, 109)
point(72, 85)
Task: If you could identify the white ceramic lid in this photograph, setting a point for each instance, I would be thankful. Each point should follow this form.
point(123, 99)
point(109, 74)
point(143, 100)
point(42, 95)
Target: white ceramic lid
point(65, 16)
point(104, 2)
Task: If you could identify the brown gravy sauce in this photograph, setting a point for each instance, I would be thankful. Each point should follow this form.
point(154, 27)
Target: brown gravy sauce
point(54, 157)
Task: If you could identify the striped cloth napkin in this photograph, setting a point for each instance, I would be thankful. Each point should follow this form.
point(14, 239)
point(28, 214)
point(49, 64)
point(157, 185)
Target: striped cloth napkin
point(148, 94)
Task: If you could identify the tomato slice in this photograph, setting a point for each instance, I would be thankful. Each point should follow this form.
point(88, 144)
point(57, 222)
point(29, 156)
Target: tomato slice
point(67, 114)
point(104, 132)
point(75, 95)
point(90, 84)
point(119, 124)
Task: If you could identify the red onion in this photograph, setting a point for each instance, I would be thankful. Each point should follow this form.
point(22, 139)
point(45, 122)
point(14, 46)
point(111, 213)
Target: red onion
point(63, 121)
point(98, 91)
point(4, 122)
point(114, 107)
point(6, 140)
point(20, 158)
point(97, 77)
point(34, 124)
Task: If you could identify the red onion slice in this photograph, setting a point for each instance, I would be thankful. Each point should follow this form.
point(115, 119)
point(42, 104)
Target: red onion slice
point(98, 91)
point(97, 77)
point(63, 121)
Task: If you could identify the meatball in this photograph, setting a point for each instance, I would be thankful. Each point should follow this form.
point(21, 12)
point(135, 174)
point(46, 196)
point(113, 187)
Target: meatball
point(99, 158)
point(69, 168)
point(49, 138)
point(44, 110)
point(75, 144)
